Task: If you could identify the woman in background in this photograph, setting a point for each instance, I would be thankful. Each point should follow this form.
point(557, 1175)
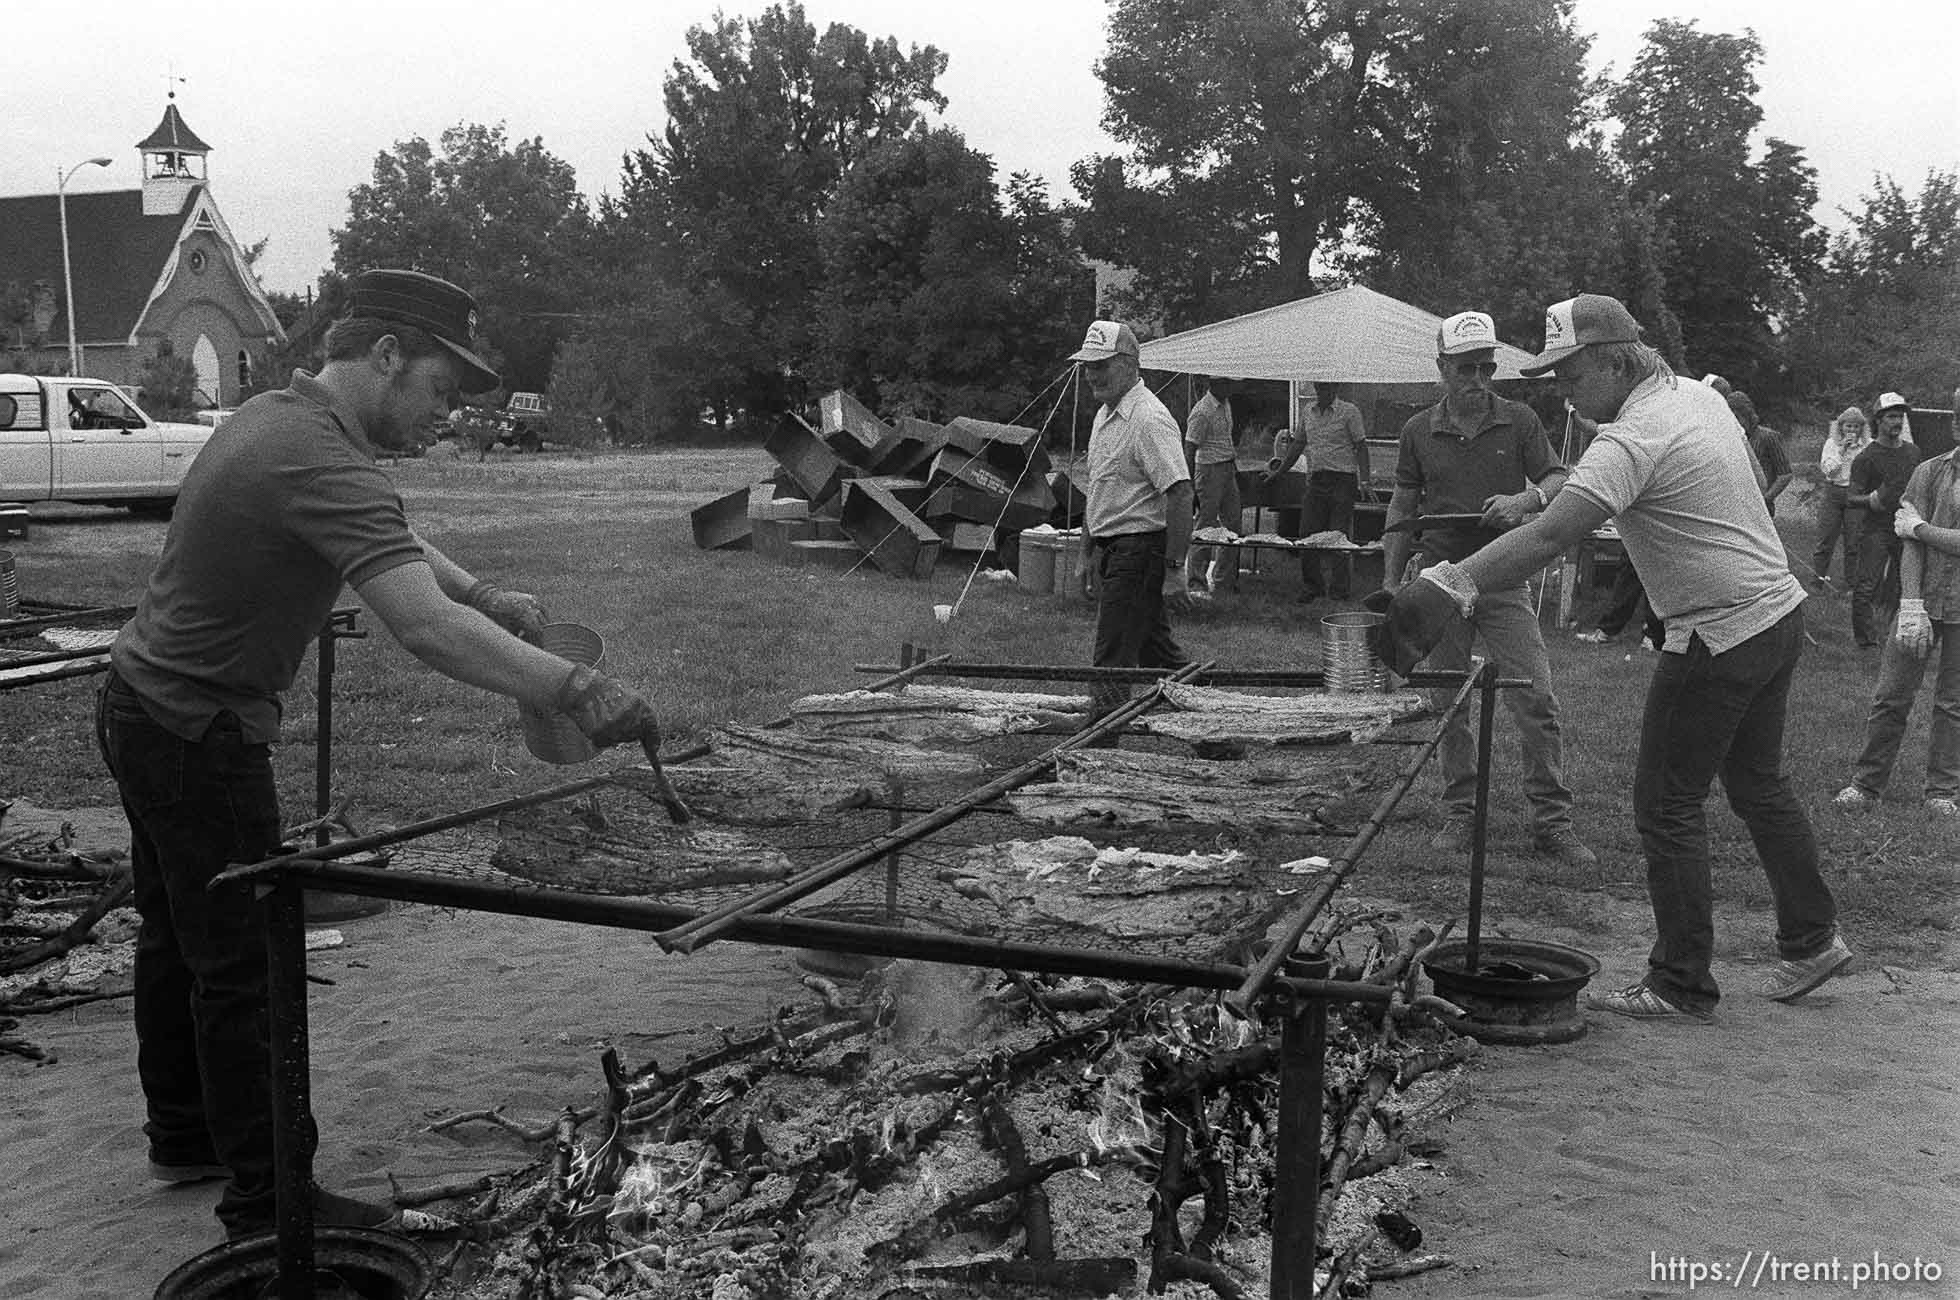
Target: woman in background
point(1840, 518)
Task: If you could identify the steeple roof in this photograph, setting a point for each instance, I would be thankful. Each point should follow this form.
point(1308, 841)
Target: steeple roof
point(174, 134)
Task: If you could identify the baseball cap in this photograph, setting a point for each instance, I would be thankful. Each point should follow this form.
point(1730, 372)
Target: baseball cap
point(445, 311)
point(1105, 339)
point(1576, 322)
point(1889, 402)
point(1467, 331)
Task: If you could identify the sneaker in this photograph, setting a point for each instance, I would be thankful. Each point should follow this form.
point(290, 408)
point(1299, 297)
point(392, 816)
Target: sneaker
point(1567, 847)
point(1455, 837)
point(1594, 637)
point(1943, 807)
point(1792, 979)
point(1641, 1003)
point(1854, 799)
point(332, 1210)
point(179, 1174)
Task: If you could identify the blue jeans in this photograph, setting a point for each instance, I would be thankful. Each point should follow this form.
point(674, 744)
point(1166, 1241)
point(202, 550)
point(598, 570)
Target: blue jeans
point(1132, 629)
point(1710, 715)
point(1508, 627)
point(1837, 519)
point(1875, 594)
point(1899, 675)
point(203, 1050)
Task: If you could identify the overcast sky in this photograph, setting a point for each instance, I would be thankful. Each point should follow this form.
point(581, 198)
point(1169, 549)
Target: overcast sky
point(296, 101)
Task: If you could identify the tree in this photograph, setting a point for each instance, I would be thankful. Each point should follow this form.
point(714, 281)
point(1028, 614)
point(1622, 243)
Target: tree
point(168, 383)
point(764, 119)
point(1266, 134)
point(940, 300)
point(1740, 242)
point(1885, 312)
point(504, 221)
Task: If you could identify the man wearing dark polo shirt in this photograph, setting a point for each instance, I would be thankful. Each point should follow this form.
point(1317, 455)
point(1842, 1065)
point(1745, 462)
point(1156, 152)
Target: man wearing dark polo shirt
point(1475, 453)
point(283, 506)
point(1137, 527)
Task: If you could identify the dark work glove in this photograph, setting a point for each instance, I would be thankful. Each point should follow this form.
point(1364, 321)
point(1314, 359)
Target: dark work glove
point(1419, 616)
point(516, 612)
point(606, 709)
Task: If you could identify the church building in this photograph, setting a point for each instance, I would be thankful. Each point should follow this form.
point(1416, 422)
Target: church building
point(148, 265)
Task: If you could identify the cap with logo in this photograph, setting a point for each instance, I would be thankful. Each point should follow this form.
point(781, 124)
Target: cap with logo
point(446, 312)
point(1576, 322)
point(1467, 331)
point(1105, 339)
point(1889, 402)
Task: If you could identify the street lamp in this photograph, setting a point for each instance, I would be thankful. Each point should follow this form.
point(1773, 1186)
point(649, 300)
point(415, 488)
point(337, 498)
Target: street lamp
point(67, 276)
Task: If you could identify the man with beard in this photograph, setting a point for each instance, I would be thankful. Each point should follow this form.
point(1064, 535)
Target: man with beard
point(283, 506)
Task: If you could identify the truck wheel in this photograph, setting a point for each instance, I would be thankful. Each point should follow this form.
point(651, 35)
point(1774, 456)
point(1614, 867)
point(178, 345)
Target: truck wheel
point(529, 442)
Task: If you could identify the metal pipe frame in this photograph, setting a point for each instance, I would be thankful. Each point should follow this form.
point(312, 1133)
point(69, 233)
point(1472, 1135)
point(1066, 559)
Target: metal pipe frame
point(1296, 1163)
point(1243, 998)
point(57, 674)
point(945, 666)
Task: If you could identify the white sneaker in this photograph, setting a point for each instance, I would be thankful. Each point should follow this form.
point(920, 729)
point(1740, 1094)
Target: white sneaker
point(1943, 808)
point(1853, 799)
point(1594, 637)
point(1790, 980)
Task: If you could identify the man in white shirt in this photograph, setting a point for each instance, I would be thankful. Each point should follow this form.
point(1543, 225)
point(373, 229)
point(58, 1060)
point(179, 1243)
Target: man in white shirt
point(1137, 528)
point(1669, 469)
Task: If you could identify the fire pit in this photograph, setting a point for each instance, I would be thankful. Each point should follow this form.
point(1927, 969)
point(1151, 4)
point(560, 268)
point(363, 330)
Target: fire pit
point(1524, 991)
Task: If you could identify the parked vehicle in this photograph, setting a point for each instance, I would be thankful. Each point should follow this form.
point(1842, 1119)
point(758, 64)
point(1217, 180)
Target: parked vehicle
point(84, 440)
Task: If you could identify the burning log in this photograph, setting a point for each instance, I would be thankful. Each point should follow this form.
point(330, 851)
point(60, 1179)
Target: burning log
point(1035, 1217)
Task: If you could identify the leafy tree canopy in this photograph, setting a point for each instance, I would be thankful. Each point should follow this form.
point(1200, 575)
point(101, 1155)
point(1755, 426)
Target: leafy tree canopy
point(505, 221)
point(940, 300)
point(1740, 241)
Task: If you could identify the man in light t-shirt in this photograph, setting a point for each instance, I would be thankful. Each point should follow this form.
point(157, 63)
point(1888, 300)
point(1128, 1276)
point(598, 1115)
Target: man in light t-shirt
point(1671, 471)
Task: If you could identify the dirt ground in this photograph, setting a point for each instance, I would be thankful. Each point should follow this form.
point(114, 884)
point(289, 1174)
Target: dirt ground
point(1607, 1167)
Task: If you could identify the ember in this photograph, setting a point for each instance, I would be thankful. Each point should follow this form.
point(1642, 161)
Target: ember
point(941, 1131)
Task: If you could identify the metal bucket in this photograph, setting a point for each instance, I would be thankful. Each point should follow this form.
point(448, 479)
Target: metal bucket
point(1068, 566)
point(1037, 572)
point(9, 586)
point(348, 1262)
point(549, 734)
point(1347, 654)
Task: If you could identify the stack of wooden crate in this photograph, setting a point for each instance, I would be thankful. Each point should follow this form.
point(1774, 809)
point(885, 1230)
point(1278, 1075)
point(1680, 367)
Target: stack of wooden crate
point(894, 495)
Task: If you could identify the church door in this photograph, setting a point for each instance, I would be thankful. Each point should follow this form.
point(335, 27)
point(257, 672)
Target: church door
point(210, 379)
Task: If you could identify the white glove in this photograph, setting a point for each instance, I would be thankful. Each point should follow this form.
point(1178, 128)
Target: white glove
point(1906, 522)
point(1914, 630)
point(1456, 583)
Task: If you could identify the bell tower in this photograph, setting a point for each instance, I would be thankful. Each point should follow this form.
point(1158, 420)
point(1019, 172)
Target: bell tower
point(173, 163)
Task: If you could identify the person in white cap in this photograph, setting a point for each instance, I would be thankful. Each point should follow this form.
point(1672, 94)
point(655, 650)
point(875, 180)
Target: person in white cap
point(1671, 471)
point(1878, 481)
point(1487, 458)
point(1137, 526)
point(1928, 627)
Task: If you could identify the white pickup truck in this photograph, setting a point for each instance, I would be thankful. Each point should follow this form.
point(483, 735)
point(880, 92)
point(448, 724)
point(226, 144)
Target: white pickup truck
point(65, 439)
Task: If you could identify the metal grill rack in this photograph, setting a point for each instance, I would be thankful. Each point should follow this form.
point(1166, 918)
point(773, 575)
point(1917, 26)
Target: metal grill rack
point(446, 861)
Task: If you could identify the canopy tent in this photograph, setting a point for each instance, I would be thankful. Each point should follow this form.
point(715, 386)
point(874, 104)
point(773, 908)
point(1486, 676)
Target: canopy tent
point(1350, 336)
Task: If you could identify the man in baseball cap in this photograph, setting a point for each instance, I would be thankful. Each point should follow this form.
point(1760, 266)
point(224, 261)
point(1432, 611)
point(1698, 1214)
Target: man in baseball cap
point(1137, 525)
point(1485, 459)
point(1669, 470)
point(283, 507)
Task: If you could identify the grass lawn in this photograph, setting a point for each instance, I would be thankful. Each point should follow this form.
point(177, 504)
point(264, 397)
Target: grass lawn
point(719, 636)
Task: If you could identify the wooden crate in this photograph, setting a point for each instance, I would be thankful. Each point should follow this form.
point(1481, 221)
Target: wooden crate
point(723, 524)
point(845, 415)
point(13, 520)
point(898, 541)
point(817, 470)
point(841, 556)
point(959, 535)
